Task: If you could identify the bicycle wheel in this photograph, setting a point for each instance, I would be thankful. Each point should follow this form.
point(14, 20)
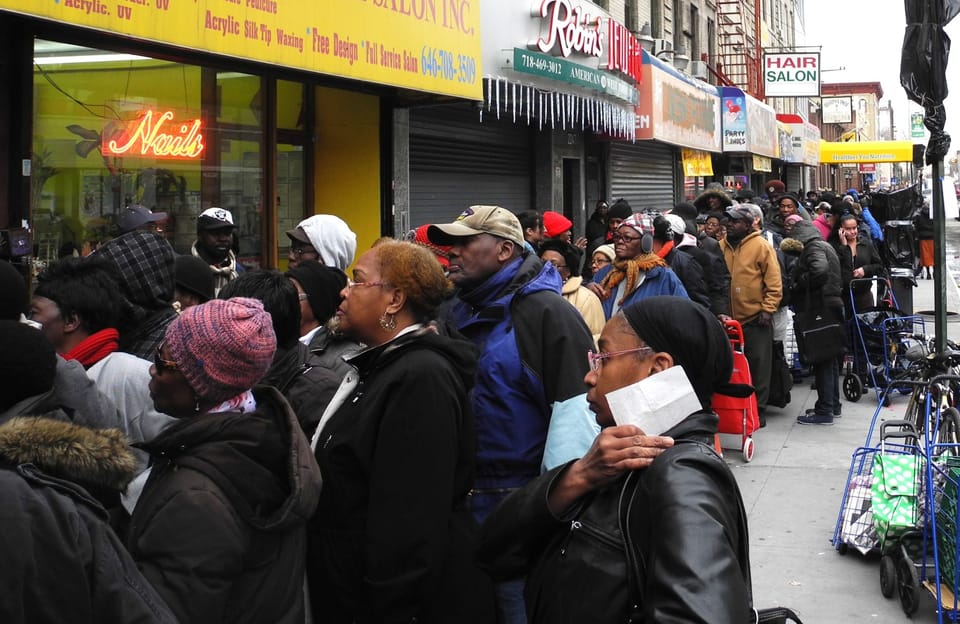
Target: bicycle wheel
point(948, 430)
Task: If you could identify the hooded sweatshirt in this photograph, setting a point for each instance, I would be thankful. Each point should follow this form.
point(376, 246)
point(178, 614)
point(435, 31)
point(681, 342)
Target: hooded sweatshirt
point(220, 528)
point(55, 529)
point(145, 264)
point(332, 238)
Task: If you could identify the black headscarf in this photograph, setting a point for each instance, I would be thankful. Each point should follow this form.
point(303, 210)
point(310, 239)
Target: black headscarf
point(322, 285)
point(689, 333)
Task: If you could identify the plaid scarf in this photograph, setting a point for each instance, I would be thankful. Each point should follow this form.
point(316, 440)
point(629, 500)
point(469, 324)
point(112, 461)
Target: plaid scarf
point(629, 270)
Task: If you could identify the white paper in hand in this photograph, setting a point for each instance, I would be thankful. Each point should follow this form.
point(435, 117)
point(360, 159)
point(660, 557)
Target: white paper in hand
point(655, 404)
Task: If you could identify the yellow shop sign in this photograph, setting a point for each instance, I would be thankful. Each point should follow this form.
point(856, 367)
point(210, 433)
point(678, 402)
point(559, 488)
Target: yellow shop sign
point(424, 45)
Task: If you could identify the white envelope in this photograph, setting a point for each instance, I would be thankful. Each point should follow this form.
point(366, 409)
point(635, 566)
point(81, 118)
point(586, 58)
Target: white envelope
point(655, 404)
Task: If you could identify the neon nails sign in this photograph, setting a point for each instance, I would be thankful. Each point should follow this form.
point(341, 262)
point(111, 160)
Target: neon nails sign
point(152, 135)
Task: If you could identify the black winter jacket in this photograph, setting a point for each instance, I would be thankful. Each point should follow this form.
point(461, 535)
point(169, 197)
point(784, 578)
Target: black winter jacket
point(306, 383)
point(691, 275)
point(392, 538)
point(817, 280)
point(686, 522)
point(61, 560)
point(220, 528)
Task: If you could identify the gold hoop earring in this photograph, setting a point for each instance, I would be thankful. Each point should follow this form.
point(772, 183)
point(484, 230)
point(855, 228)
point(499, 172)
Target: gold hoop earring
point(196, 403)
point(388, 322)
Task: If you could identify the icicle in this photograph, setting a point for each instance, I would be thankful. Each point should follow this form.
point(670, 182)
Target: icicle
point(513, 87)
point(489, 91)
point(529, 99)
point(540, 116)
point(496, 97)
point(506, 96)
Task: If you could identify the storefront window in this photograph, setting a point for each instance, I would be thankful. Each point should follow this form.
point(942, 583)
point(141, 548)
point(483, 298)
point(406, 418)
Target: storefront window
point(112, 130)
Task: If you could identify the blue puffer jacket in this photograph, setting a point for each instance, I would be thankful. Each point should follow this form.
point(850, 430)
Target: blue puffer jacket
point(533, 353)
point(658, 281)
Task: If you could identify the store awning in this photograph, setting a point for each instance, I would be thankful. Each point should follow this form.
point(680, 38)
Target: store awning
point(866, 151)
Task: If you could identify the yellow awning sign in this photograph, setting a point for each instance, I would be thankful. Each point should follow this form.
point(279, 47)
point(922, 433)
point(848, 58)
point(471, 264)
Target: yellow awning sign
point(696, 163)
point(866, 151)
point(423, 46)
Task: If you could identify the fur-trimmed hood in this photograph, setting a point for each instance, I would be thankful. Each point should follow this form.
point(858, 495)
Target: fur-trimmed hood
point(703, 205)
point(97, 458)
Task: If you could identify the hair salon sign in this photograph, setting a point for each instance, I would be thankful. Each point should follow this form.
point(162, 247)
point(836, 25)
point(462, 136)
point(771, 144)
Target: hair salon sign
point(788, 74)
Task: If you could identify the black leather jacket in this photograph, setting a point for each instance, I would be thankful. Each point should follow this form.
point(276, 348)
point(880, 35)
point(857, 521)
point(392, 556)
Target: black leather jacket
point(685, 522)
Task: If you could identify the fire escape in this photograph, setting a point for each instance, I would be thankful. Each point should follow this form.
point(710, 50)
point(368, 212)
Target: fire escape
point(738, 52)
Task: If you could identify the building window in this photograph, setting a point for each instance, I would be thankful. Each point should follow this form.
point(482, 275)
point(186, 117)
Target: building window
point(113, 130)
point(711, 42)
point(694, 29)
point(677, 24)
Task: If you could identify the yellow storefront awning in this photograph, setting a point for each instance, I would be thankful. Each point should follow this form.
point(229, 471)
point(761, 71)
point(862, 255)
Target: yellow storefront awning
point(866, 152)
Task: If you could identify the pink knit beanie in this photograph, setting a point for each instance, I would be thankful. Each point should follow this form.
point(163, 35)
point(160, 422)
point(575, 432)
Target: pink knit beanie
point(222, 347)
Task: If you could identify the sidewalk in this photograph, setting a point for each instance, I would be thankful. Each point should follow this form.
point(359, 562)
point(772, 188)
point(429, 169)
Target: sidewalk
point(792, 491)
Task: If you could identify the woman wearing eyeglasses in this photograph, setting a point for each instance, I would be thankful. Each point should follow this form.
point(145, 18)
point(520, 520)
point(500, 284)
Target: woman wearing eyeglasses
point(636, 273)
point(670, 502)
point(219, 527)
point(392, 538)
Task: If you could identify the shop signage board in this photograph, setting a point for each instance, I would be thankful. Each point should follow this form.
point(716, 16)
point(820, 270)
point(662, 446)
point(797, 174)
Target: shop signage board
point(734, 109)
point(676, 109)
point(916, 125)
point(811, 144)
point(791, 74)
point(424, 45)
point(749, 125)
point(696, 163)
point(554, 68)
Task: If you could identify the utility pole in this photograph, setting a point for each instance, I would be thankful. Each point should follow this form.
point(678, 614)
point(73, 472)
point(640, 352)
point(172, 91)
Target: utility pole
point(893, 130)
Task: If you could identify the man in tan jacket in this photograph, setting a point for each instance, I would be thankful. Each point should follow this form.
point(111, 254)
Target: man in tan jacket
point(755, 292)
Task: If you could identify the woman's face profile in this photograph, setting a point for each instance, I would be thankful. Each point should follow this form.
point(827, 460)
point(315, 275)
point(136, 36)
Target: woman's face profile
point(616, 371)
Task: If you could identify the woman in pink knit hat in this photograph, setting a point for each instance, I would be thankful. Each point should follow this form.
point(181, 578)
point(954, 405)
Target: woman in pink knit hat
point(218, 521)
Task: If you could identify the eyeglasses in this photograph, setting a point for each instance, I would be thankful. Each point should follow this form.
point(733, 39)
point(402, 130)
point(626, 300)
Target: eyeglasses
point(557, 265)
point(302, 296)
point(618, 238)
point(352, 284)
point(596, 359)
point(163, 364)
point(600, 261)
point(299, 250)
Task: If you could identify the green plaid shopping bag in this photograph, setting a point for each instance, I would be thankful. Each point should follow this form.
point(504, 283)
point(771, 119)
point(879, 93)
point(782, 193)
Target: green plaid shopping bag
point(894, 495)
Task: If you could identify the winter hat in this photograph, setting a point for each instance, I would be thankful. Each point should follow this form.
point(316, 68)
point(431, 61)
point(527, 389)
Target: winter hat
point(322, 285)
point(854, 194)
point(678, 226)
point(691, 334)
point(571, 255)
point(685, 210)
point(222, 347)
point(619, 210)
point(193, 274)
point(744, 194)
point(792, 219)
point(637, 222)
point(555, 223)
point(775, 187)
point(441, 252)
point(28, 363)
point(608, 251)
point(333, 239)
point(13, 293)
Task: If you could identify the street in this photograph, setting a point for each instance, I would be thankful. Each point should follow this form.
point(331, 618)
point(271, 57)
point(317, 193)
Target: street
point(792, 491)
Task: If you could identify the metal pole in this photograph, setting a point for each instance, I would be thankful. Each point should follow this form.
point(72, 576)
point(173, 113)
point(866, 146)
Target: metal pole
point(939, 258)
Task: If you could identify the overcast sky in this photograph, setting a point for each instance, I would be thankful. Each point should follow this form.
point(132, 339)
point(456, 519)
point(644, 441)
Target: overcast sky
point(865, 37)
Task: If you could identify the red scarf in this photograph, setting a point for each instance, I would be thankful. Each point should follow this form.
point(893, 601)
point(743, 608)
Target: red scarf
point(666, 249)
point(94, 347)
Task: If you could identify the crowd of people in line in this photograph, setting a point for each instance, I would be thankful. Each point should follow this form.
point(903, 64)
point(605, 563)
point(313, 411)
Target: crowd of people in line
point(439, 437)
